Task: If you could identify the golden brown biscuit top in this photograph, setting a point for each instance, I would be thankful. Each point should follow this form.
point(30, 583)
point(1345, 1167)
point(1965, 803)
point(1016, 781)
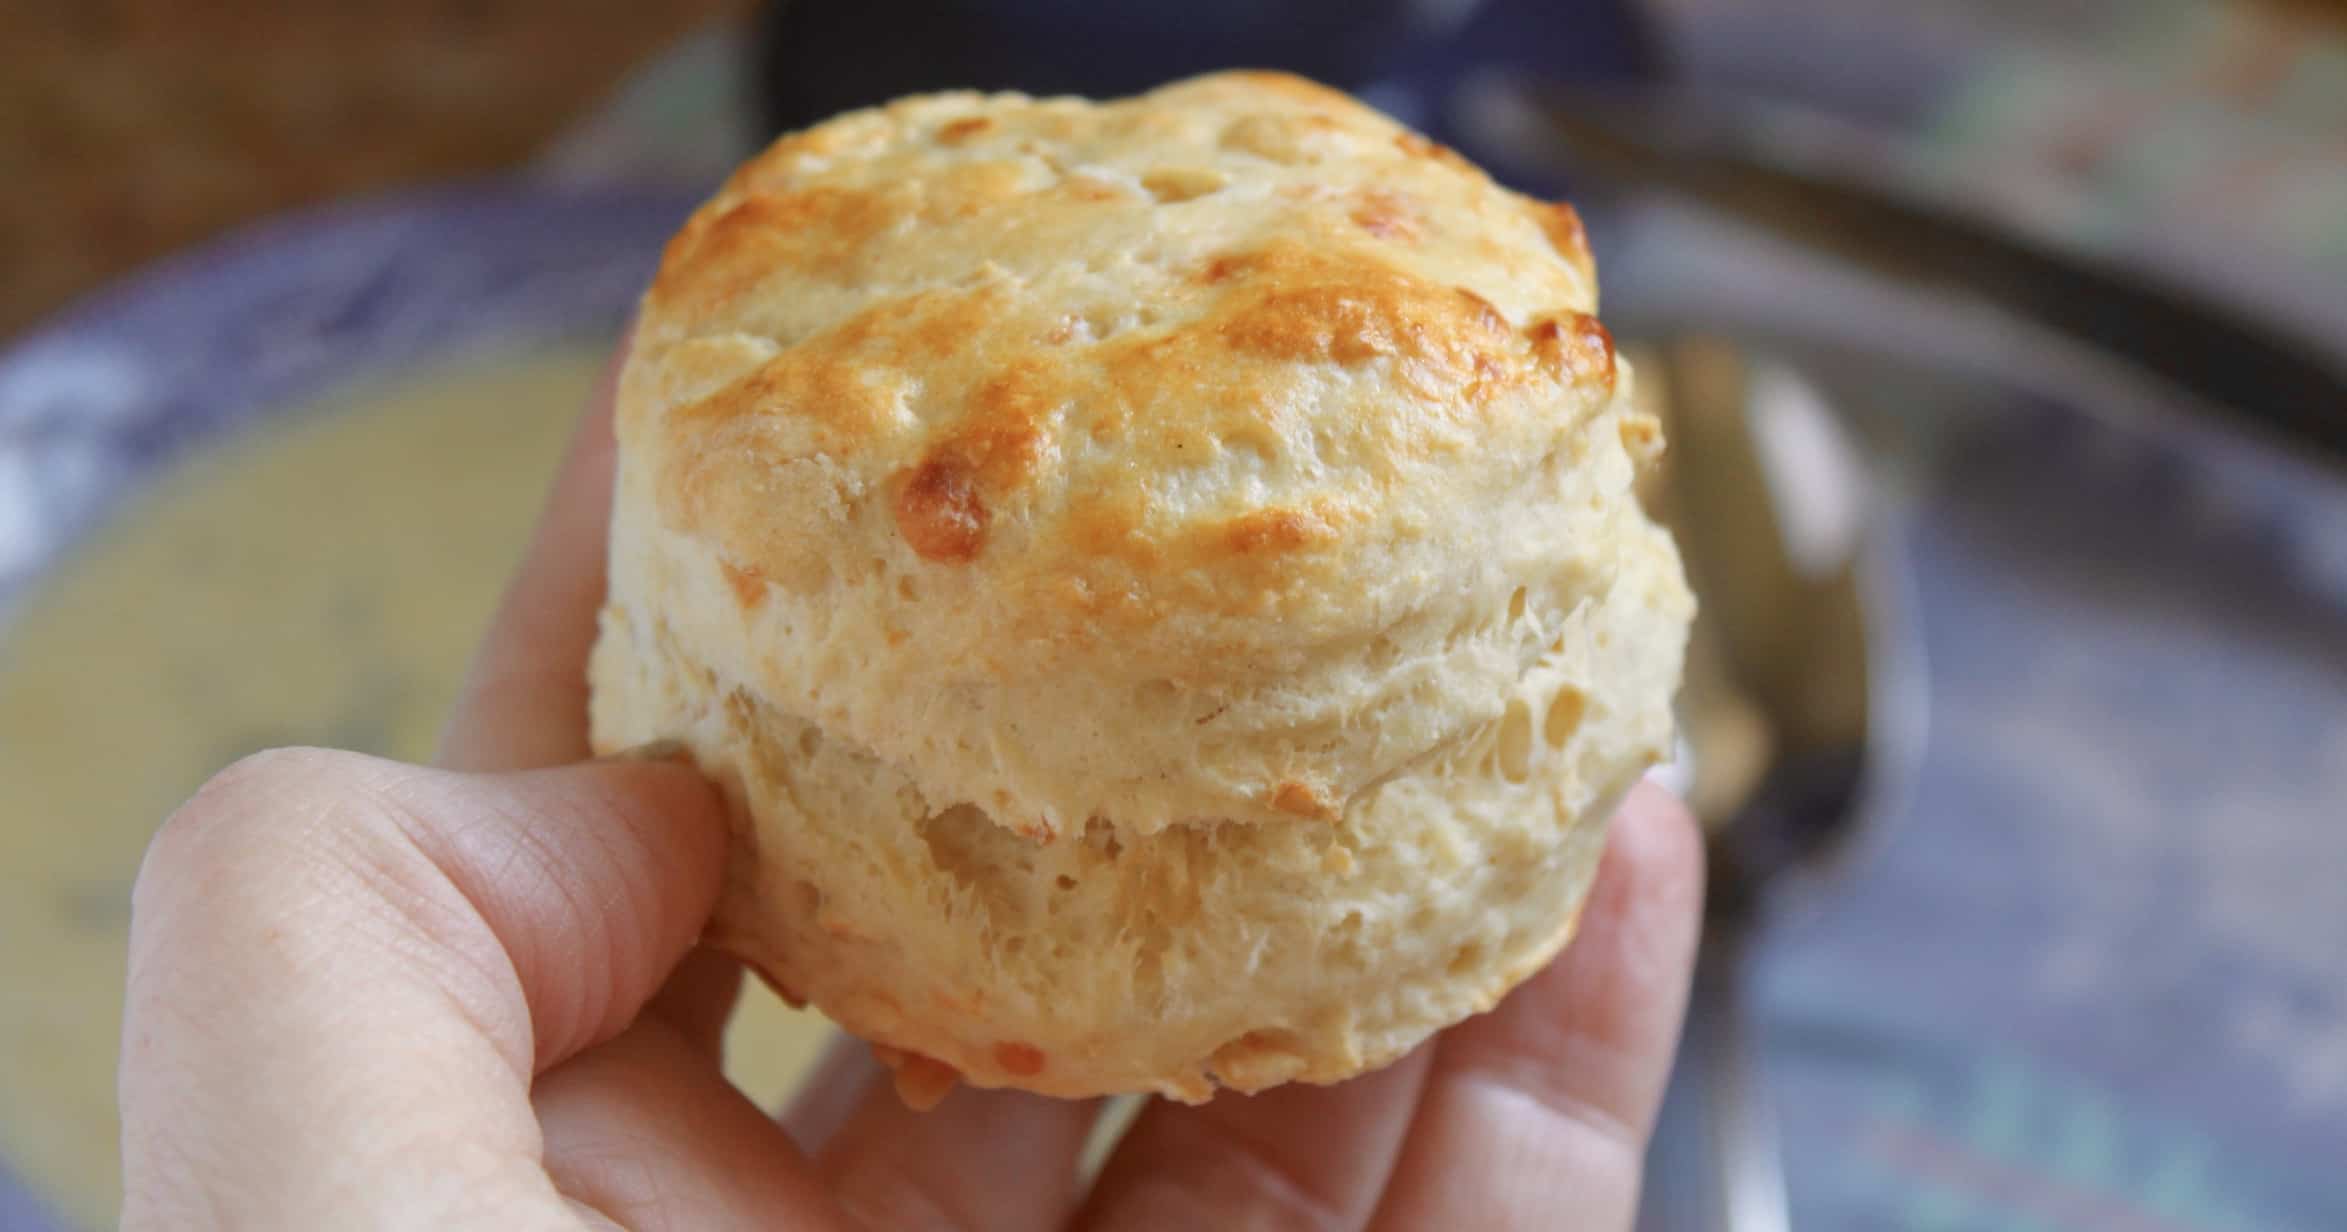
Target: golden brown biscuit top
point(1189, 371)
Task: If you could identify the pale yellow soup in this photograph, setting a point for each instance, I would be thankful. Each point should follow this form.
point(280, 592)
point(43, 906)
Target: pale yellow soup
point(319, 580)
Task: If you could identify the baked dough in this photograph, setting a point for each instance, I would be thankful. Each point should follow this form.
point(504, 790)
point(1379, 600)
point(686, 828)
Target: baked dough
point(1160, 578)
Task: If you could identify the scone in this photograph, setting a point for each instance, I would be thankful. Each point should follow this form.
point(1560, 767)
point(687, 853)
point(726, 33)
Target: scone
point(1160, 579)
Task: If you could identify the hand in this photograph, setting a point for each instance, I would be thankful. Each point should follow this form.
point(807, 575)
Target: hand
point(365, 994)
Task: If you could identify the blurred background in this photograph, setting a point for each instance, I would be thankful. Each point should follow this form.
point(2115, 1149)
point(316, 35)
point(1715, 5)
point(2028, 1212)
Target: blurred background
point(2003, 347)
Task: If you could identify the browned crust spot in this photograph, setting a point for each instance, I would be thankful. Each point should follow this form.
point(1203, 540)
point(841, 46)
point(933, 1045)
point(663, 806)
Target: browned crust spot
point(1576, 347)
point(1295, 306)
point(748, 585)
point(1302, 800)
point(1274, 530)
point(727, 249)
point(1417, 146)
point(1019, 1058)
point(1343, 324)
point(1562, 224)
point(955, 132)
point(1388, 216)
point(1001, 433)
point(939, 512)
point(1035, 830)
point(1488, 317)
point(1226, 267)
point(1173, 185)
point(1258, 1059)
point(1089, 188)
point(922, 1082)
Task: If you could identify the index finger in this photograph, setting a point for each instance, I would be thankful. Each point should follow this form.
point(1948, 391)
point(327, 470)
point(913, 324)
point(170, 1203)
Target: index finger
point(524, 700)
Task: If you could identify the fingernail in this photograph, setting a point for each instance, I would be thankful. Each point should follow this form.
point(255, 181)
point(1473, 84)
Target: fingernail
point(656, 750)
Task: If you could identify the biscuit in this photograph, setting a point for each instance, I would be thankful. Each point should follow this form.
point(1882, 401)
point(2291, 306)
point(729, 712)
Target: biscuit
point(1161, 580)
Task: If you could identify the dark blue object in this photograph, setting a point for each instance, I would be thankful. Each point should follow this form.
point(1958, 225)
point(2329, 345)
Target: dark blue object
point(817, 58)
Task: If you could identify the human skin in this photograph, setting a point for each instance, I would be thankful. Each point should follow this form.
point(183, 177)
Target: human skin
point(369, 994)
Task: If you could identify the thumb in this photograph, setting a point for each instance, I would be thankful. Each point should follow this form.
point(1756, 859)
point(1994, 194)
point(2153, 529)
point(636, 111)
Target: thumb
point(345, 973)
